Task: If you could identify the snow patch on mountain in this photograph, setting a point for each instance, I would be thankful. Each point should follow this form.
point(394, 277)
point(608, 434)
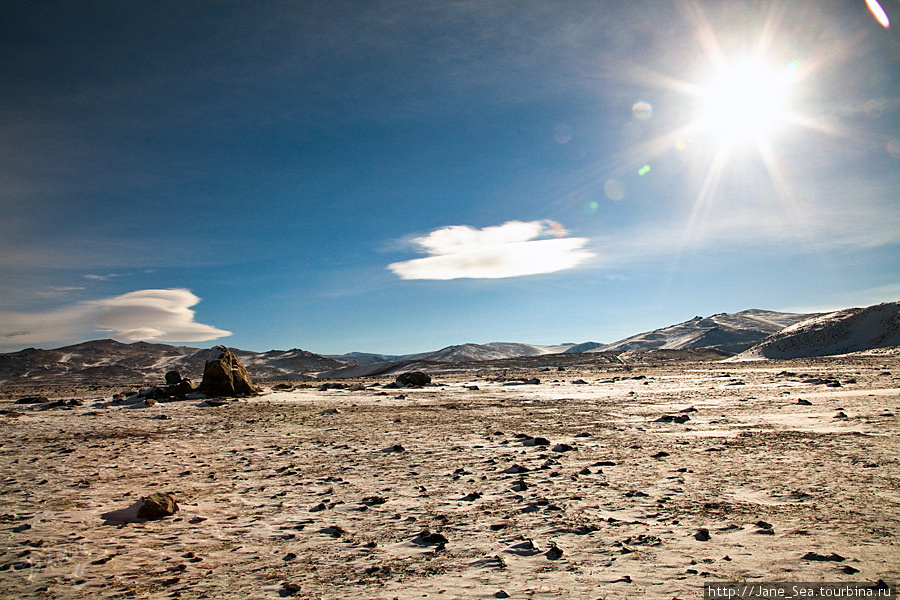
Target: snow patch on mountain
point(840, 332)
point(733, 332)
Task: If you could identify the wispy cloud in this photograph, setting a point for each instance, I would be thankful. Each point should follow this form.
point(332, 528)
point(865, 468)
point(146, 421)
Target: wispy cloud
point(514, 249)
point(106, 277)
point(57, 291)
point(162, 315)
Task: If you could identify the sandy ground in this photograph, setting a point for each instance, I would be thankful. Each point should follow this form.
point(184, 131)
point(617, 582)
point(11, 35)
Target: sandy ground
point(439, 493)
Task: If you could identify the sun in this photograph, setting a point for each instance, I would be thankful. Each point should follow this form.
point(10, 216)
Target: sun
point(744, 101)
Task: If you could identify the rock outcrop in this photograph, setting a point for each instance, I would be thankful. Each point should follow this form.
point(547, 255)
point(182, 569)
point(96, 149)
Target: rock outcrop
point(412, 379)
point(225, 375)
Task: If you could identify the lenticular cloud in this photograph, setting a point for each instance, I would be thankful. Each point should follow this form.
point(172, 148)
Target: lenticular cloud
point(157, 315)
point(514, 249)
point(161, 315)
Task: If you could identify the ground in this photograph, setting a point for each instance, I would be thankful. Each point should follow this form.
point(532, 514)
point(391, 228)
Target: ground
point(445, 492)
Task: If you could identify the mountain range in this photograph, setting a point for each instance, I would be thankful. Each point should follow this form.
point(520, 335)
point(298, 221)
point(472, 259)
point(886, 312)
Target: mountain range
point(750, 335)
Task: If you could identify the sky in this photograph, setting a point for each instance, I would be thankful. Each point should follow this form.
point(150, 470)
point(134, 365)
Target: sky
point(397, 176)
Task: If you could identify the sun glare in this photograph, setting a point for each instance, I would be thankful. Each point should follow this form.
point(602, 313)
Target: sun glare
point(745, 101)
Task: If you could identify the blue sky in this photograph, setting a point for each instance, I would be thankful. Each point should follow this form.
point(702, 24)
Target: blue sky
point(401, 176)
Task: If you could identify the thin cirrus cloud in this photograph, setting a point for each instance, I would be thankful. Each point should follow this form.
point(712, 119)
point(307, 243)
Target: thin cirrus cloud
point(161, 315)
point(513, 249)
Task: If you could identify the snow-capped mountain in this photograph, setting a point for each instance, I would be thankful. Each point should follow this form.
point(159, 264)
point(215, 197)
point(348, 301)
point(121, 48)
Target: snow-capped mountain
point(491, 351)
point(111, 361)
point(841, 332)
point(728, 332)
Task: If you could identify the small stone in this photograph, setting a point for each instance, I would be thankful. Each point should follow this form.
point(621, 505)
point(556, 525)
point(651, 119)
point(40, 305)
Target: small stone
point(554, 553)
point(702, 535)
point(822, 558)
point(157, 506)
point(427, 538)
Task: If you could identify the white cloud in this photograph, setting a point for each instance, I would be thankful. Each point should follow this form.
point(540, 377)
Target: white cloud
point(151, 315)
point(509, 250)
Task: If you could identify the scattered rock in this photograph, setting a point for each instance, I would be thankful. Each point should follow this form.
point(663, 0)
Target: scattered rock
point(554, 553)
point(660, 454)
point(820, 557)
point(536, 441)
point(373, 500)
point(501, 594)
point(841, 415)
point(427, 538)
point(173, 377)
point(702, 535)
point(516, 469)
point(289, 589)
point(334, 531)
point(563, 448)
point(803, 402)
point(394, 448)
point(33, 400)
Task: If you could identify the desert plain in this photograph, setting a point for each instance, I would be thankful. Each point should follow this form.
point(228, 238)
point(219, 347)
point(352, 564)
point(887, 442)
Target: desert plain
point(551, 479)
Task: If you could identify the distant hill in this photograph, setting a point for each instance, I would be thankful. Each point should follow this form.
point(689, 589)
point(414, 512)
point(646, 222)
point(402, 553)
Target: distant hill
point(841, 332)
point(583, 347)
point(727, 332)
point(492, 351)
point(111, 361)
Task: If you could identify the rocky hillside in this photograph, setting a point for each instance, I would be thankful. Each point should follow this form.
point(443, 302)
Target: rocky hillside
point(841, 332)
point(727, 332)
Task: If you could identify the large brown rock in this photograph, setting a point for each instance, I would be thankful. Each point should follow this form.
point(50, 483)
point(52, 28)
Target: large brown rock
point(157, 506)
point(225, 375)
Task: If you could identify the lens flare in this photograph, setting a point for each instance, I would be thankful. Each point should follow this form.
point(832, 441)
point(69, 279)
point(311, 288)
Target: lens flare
point(878, 13)
point(562, 134)
point(614, 189)
point(642, 111)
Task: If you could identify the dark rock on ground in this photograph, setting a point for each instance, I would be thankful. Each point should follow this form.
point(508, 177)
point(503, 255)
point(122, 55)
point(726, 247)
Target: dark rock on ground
point(821, 557)
point(157, 506)
point(32, 400)
point(413, 379)
point(427, 538)
point(225, 375)
point(173, 378)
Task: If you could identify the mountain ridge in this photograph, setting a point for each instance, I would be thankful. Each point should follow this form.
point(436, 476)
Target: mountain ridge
point(722, 333)
point(841, 332)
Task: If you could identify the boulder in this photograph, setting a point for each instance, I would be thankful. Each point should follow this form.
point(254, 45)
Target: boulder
point(173, 377)
point(413, 378)
point(180, 389)
point(225, 375)
point(157, 506)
